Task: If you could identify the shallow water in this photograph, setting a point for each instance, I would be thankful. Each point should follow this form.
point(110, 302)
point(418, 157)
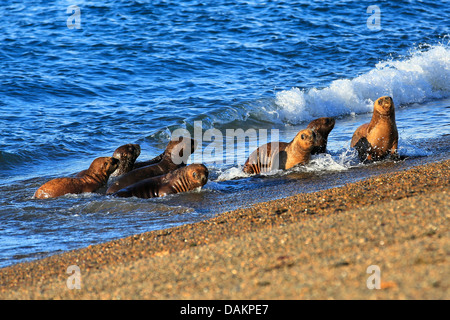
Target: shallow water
point(138, 70)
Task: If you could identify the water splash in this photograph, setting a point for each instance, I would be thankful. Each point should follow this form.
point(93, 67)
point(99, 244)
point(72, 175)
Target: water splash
point(423, 77)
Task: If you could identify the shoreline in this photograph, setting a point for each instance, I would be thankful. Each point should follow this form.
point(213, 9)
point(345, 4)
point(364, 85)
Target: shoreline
point(307, 246)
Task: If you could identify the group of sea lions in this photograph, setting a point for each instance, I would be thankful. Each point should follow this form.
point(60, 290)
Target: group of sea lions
point(169, 174)
point(283, 155)
point(160, 176)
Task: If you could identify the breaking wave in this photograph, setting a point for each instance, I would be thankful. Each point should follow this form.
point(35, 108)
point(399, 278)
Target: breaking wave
point(422, 77)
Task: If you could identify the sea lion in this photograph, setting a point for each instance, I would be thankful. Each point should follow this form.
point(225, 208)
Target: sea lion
point(181, 180)
point(322, 127)
point(176, 148)
point(378, 138)
point(173, 158)
point(281, 155)
point(95, 177)
point(127, 155)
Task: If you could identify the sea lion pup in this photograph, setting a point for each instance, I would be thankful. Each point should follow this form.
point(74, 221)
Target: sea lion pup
point(174, 146)
point(378, 138)
point(281, 155)
point(95, 177)
point(127, 155)
point(322, 127)
point(173, 158)
point(181, 180)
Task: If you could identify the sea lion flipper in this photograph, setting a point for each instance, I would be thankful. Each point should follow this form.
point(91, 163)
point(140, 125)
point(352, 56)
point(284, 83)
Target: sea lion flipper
point(359, 133)
point(362, 146)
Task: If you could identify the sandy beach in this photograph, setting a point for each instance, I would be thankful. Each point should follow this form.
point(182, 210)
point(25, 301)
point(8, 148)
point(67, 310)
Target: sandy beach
point(309, 246)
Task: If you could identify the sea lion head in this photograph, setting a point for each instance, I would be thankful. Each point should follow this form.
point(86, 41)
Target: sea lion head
point(196, 174)
point(104, 166)
point(180, 149)
point(305, 139)
point(384, 106)
point(127, 155)
point(127, 152)
point(322, 125)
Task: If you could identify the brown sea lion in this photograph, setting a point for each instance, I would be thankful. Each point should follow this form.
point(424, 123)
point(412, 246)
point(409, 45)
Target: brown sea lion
point(127, 155)
point(175, 147)
point(175, 153)
point(322, 127)
point(181, 180)
point(281, 155)
point(378, 138)
point(95, 177)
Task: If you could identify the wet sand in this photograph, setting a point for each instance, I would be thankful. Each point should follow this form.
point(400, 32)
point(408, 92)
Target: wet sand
point(308, 246)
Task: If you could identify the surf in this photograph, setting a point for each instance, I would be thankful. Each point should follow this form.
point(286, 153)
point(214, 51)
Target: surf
point(422, 77)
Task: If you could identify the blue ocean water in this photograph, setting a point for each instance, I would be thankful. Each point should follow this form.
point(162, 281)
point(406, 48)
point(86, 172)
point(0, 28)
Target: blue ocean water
point(135, 71)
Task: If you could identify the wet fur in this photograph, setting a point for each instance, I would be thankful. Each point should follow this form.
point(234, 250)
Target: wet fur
point(378, 138)
point(180, 180)
point(163, 167)
point(322, 127)
point(127, 155)
point(173, 147)
point(94, 178)
point(281, 155)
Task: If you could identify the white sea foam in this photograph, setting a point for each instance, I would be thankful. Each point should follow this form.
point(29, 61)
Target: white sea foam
point(341, 161)
point(326, 162)
point(422, 77)
point(232, 173)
